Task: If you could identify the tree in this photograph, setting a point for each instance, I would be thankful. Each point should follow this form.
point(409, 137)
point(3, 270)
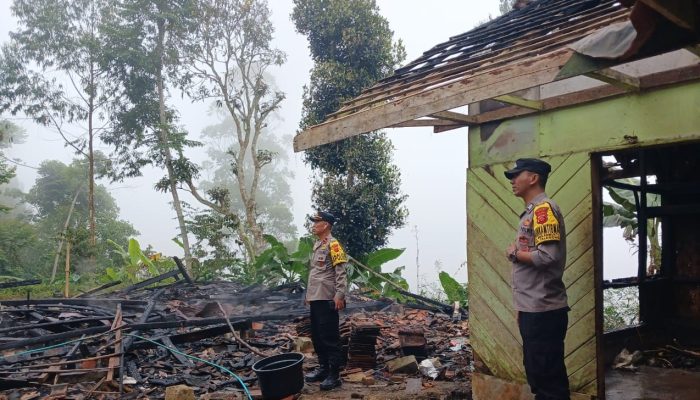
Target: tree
point(228, 55)
point(65, 36)
point(61, 205)
point(351, 46)
point(145, 39)
point(504, 6)
point(273, 197)
point(8, 133)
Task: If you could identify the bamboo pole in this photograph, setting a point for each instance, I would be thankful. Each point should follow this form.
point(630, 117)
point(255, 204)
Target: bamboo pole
point(66, 293)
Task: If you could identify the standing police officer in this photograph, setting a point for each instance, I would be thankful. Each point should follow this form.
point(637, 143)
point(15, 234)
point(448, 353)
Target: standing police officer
point(539, 295)
point(325, 293)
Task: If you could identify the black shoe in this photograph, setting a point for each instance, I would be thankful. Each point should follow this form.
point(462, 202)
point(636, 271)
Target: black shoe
point(332, 381)
point(318, 375)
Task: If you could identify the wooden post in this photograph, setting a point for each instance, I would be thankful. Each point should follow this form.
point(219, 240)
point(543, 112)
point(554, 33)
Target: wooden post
point(66, 293)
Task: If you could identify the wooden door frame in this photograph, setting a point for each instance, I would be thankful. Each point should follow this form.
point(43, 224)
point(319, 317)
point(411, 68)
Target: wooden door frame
point(597, 215)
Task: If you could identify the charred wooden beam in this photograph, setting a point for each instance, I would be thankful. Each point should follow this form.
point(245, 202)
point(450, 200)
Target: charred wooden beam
point(7, 383)
point(151, 281)
point(422, 306)
point(183, 270)
point(666, 211)
point(19, 358)
point(444, 307)
point(65, 323)
point(74, 301)
point(172, 349)
point(65, 362)
point(57, 337)
point(142, 319)
point(94, 309)
point(28, 282)
point(99, 289)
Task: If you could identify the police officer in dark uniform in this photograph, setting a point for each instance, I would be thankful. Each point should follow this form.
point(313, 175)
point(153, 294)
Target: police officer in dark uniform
point(325, 293)
point(538, 256)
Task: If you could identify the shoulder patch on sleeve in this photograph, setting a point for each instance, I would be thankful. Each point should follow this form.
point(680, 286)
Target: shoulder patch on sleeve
point(545, 224)
point(338, 255)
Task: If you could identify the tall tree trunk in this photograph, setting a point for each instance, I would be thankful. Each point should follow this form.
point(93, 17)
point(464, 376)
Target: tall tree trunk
point(165, 147)
point(244, 230)
point(91, 163)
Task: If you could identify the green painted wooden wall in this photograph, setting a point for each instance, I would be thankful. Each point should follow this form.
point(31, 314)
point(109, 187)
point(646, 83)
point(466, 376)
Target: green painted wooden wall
point(565, 138)
point(492, 219)
point(666, 115)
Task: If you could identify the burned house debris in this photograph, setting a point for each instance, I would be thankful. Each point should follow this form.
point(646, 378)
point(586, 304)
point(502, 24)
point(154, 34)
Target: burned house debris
point(143, 339)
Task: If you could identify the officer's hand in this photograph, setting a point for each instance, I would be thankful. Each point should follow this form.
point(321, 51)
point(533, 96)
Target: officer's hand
point(510, 250)
point(339, 304)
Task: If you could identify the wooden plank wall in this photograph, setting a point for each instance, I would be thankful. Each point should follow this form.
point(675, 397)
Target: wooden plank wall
point(492, 218)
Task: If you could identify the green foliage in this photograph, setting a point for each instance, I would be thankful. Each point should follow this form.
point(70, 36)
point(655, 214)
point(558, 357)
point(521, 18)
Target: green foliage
point(274, 192)
point(134, 264)
point(9, 133)
point(228, 54)
point(215, 244)
point(505, 6)
point(351, 45)
point(277, 265)
point(52, 197)
point(620, 308)
point(623, 213)
point(454, 290)
point(379, 286)
point(18, 238)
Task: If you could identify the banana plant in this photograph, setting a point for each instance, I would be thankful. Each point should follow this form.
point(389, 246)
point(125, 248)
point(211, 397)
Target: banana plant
point(276, 264)
point(623, 214)
point(134, 262)
point(377, 282)
point(454, 290)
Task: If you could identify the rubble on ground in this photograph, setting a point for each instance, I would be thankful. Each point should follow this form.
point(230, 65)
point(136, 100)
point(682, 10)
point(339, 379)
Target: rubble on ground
point(190, 339)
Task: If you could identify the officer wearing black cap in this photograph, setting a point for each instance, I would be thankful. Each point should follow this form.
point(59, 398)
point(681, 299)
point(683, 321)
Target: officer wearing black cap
point(325, 293)
point(538, 256)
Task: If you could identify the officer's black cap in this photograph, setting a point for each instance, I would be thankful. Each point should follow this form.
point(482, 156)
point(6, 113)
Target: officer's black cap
point(323, 216)
point(529, 164)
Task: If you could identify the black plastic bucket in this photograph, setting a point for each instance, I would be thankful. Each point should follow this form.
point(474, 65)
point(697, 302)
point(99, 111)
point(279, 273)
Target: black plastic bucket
point(280, 375)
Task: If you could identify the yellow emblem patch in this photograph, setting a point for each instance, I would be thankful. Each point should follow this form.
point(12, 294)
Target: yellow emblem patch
point(545, 224)
point(338, 255)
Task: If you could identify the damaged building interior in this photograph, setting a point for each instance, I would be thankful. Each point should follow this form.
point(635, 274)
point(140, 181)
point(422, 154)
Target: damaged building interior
point(667, 277)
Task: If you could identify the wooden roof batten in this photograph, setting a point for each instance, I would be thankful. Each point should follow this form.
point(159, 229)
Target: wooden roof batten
point(426, 98)
point(471, 89)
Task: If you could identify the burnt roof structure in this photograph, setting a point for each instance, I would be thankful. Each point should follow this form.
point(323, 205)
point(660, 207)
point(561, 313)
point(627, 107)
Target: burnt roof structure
point(542, 43)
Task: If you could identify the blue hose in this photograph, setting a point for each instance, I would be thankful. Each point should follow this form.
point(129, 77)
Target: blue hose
point(221, 367)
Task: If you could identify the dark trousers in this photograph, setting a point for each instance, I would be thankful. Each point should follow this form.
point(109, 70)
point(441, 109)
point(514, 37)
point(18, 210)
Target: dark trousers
point(325, 332)
point(543, 336)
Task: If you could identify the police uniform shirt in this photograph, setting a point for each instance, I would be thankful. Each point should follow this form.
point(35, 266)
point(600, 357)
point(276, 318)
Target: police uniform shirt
point(539, 287)
point(327, 274)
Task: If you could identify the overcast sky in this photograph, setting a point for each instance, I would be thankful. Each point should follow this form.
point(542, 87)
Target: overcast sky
point(433, 166)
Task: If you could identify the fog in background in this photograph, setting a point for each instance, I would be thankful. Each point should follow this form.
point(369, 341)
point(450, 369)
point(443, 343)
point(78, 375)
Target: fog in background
point(433, 166)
